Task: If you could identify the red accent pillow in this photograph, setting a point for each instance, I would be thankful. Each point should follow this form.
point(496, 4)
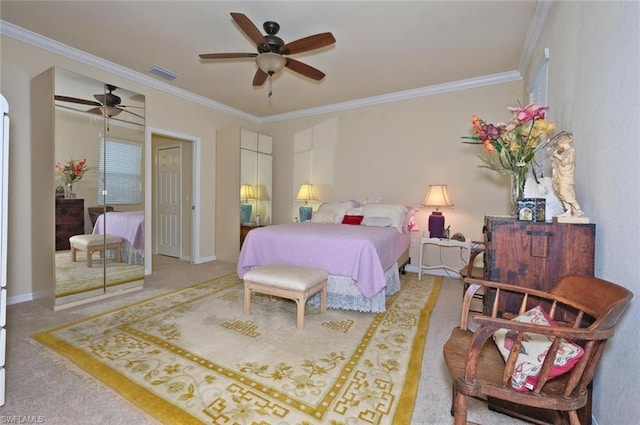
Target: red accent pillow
point(352, 219)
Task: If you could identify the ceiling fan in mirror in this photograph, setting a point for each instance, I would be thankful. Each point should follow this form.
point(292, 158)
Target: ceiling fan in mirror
point(106, 104)
point(273, 53)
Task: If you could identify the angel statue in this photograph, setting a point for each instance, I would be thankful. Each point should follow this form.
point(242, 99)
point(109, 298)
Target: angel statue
point(563, 166)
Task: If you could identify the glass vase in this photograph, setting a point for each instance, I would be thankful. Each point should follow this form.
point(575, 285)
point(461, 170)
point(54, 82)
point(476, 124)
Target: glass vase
point(69, 191)
point(518, 178)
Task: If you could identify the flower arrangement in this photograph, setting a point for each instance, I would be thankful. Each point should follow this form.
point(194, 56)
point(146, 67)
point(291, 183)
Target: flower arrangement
point(510, 147)
point(72, 171)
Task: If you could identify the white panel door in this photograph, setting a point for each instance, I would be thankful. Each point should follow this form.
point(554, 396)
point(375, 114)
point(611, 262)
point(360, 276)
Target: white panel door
point(169, 193)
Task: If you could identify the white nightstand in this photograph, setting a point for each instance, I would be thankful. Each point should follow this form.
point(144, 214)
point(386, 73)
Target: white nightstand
point(448, 244)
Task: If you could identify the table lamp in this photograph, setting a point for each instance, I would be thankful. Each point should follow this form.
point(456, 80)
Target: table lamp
point(246, 193)
point(306, 193)
point(438, 197)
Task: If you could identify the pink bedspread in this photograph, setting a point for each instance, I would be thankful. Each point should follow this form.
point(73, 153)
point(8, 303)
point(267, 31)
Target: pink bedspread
point(360, 252)
point(129, 225)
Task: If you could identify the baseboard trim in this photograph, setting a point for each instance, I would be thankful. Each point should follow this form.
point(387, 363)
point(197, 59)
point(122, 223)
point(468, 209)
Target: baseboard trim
point(18, 299)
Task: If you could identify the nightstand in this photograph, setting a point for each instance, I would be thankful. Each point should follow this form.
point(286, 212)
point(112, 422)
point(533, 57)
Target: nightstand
point(464, 249)
point(244, 229)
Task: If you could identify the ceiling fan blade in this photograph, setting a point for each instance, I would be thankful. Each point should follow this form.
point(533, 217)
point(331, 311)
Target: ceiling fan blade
point(304, 69)
point(227, 55)
point(259, 78)
point(249, 28)
point(306, 44)
point(129, 112)
point(77, 100)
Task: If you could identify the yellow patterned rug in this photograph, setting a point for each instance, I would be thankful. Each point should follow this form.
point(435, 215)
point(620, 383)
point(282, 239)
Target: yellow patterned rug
point(192, 356)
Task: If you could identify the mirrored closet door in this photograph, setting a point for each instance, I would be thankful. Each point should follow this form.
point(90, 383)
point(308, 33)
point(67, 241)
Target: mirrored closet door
point(99, 188)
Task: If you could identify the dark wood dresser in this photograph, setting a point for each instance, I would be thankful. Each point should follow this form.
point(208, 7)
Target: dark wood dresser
point(535, 255)
point(69, 221)
point(244, 230)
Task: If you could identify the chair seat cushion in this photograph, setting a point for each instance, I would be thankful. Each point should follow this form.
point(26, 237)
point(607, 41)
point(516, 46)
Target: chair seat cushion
point(295, 278)
point(533, 351)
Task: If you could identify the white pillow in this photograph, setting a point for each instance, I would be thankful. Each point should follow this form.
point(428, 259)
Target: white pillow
point(323, 217)
point(337, 209)
point(377, 221)
point(355, 211)
point(395, 212)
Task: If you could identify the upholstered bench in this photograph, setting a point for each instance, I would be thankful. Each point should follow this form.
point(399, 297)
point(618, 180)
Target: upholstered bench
point(95, 243)
point(291, 282)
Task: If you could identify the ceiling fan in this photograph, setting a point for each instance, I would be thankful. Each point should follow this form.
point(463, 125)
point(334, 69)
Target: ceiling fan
point(107, 104)
point(273, 53)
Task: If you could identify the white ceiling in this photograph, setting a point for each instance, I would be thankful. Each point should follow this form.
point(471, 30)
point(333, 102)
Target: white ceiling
point(381, 48)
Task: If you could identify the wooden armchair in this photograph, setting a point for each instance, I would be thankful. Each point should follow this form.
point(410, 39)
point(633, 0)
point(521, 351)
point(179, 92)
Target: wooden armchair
point(586, 310)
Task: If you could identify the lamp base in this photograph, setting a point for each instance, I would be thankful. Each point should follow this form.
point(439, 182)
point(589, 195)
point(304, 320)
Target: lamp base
point(245, 213)
point(436, 224)
point(305, 213)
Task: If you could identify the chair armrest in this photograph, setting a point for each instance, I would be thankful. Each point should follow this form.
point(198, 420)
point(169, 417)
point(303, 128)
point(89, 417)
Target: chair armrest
point(502, 288)
point(569, 333)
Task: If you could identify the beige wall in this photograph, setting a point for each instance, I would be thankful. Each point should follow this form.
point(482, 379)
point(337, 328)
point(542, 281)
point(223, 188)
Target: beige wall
point(20, 63)
point(594, 92)
point(396, 150)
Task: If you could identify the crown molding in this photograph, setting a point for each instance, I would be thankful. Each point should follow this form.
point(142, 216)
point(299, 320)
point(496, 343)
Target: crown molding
point(10, 30)
point(37, 40)
point(486, 80)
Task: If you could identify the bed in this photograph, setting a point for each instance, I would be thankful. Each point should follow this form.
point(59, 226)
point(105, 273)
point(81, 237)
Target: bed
point(129, 225)
point(363, 261)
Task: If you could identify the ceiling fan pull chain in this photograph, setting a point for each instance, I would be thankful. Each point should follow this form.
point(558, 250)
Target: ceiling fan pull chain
point(270, 92)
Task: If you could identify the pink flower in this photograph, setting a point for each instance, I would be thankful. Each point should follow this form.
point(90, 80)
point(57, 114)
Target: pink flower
point(528, 113)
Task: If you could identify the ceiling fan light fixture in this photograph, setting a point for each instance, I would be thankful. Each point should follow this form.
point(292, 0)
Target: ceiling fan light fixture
point(110, 111)
point(270, 63)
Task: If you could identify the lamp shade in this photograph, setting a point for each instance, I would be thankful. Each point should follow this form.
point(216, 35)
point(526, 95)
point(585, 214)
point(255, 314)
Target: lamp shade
point(270, 63)
point(438, 197)
point(306, 193)
point(247, 192)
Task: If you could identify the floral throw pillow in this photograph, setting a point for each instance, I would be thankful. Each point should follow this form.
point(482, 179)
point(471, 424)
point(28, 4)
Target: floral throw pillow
point(533, 351)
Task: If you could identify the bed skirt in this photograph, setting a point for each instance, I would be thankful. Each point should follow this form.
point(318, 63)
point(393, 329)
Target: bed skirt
point(128, 254)
point(131, 255)
point(342, 293)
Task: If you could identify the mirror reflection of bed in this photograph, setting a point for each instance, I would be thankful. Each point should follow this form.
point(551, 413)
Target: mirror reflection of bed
point(79, 134)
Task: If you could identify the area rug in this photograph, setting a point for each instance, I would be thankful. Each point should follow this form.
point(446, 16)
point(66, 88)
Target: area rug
point(192, 356)
point(75, 277)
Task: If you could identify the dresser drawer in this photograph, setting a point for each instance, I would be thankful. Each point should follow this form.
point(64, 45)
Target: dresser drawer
point(69, 221)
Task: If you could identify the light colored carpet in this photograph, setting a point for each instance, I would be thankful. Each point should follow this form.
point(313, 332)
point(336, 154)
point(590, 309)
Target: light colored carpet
point(39, 385)
point(192, 356)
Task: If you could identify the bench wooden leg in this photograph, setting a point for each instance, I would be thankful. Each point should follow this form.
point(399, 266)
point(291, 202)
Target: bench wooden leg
point(302, 302)
point(247, 300)
point(323, 299)
point(89, 258)
point(73, 254)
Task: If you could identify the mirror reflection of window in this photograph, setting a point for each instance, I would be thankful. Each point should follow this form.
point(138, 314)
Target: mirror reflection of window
point(121, 166)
